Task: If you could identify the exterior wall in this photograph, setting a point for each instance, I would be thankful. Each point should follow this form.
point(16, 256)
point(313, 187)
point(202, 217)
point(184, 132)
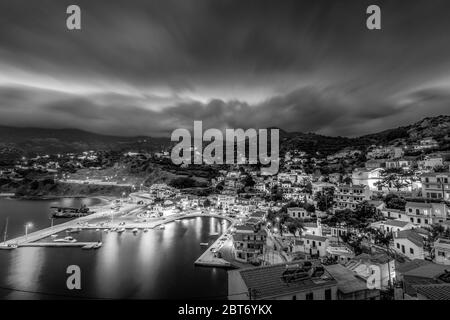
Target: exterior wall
point(347, 197)
point(436, 186)
point(236, 286)
point(393, 213)
point(299, 213)
point(400, 244)
point(441, 255)
point(318, 294)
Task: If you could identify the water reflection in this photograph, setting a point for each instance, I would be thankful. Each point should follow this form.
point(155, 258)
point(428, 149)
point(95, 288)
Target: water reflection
point(158, 264)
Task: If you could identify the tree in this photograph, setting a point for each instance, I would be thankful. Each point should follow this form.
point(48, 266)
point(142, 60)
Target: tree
point(325, 199)
point(395, 178)
point(394, 202)
point(248, 181)
point(207, 203)
point(347, 180)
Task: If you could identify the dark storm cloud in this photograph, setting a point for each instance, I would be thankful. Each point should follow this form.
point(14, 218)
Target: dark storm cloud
point(147, 67)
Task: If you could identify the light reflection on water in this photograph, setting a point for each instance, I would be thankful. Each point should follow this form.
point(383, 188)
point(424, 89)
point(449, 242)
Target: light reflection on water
point(158, 264)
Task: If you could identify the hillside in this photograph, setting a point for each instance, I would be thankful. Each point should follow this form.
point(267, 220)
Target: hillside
point(16, 141)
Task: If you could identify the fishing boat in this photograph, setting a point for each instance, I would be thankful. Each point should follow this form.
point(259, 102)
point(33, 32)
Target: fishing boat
point(214, 234)
point(66, 240)
point(204, 244)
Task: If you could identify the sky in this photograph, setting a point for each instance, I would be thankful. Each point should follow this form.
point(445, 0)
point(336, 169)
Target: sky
point(145, 67)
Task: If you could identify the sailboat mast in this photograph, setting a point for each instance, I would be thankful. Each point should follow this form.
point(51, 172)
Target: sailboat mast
point(6, 231)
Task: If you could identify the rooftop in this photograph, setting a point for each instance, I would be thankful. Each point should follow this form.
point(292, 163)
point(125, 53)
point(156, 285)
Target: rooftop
point(397, 223)
point(381, 258)
point(346, 279)
point(418, 204)
point(442, 243)
point(314, 237)
point(284, 279)
point(439, 291)
point(411, 265)
point(412, 236)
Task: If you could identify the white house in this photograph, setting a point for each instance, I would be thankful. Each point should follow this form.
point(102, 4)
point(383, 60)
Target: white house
point(393, 226)
point(393, 213)
point(312, 245)
point(376, 269)
point(410, 244)
point(298, 212)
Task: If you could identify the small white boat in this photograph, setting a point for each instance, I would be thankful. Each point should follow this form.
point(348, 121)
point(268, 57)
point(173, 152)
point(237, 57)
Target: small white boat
point(205, 244)
point(114, 229)
point(162, 227)
point(135, 230)
point(214, 234)
point(146, 230)
point(97, 229)
point(120, 230)
point(97, 245)
point(54, 236)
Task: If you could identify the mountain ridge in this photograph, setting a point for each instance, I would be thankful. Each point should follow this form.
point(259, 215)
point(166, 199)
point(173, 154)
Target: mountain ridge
point(26, 140)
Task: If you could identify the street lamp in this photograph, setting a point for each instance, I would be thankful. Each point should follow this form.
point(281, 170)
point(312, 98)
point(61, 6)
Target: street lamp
point(27, 225)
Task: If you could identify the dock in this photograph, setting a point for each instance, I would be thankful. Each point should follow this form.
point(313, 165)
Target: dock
point(59, 244)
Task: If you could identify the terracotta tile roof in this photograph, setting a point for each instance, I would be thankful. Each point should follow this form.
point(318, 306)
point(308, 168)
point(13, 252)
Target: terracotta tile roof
point(267, 281)
point(434, 291)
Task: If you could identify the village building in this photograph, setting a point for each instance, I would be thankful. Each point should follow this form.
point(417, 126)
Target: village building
point(307, 280)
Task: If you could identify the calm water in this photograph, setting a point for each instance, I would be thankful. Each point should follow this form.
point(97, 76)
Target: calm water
point(158, 264)
point(20, 212)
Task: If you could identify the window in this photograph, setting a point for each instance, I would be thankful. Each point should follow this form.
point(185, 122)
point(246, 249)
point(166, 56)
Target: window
point(409, 209)
point(441, 253)
point(417, 211)
point(294, 297)
point(309, 296)
point(398, 245)
point(418, 220)
point(426, 221)
point(412, 219)
point(328, 294)
point(411, 250)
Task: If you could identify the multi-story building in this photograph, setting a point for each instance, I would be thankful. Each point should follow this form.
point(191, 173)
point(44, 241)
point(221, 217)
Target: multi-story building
point(426, 143)
point(436, 185)
point(348, 196)
point(425, 214)
point(431, 161)
point(306, 280)
point(248, 242)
